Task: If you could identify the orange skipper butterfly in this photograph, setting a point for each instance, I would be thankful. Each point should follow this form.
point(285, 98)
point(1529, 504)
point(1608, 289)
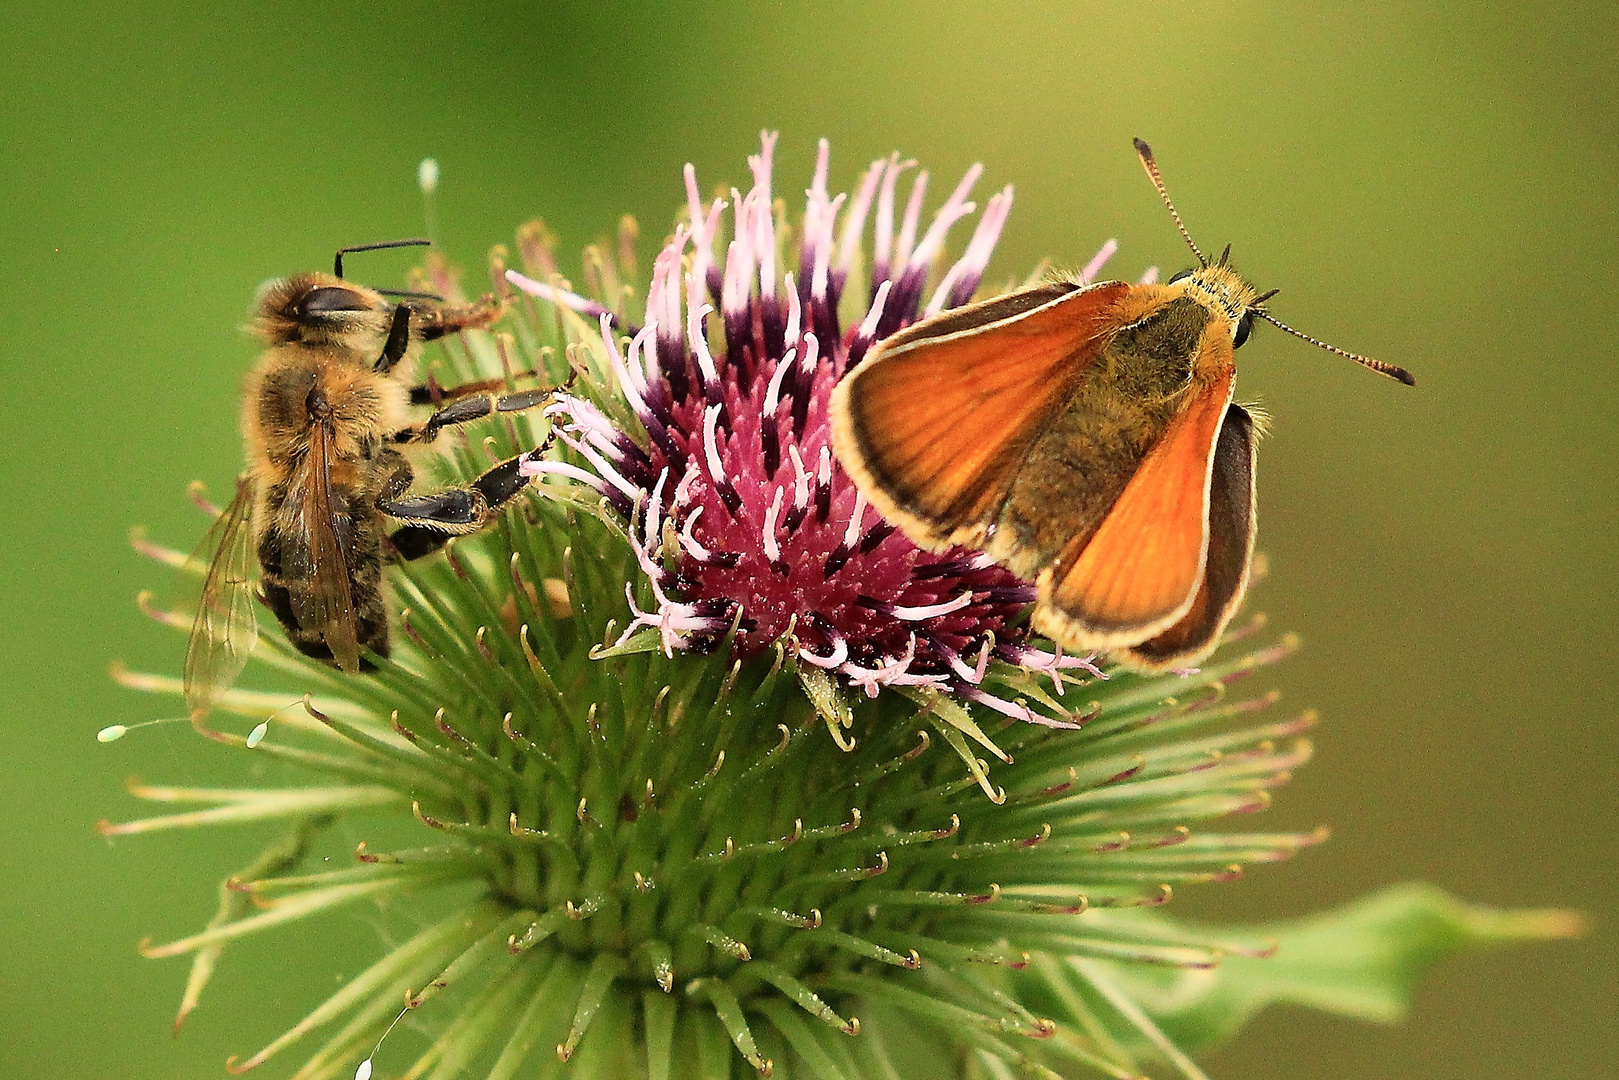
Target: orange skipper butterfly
point(1084, 436)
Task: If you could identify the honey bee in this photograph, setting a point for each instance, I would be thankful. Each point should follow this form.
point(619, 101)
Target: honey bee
point(326, 414)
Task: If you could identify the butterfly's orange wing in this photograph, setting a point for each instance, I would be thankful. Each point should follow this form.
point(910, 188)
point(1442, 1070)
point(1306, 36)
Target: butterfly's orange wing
point(1231, 549)
point(1139, 573)
point(935, 423)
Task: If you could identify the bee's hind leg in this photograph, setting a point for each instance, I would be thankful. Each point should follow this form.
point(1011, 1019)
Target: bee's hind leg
point(430, 520)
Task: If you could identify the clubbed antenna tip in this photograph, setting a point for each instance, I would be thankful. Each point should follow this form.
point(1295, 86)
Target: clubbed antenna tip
point(1151, 166)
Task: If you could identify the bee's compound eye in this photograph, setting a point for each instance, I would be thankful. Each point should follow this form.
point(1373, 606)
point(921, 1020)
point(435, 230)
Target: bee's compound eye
point(330, 298)
point(1183, 274)
point(1245, 326)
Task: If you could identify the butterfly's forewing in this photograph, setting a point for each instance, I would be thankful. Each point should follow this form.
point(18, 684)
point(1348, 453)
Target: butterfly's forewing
point(225, 628)
point(1139, 572)
point(1231, 547)
point(936, 422)
point(314, 558)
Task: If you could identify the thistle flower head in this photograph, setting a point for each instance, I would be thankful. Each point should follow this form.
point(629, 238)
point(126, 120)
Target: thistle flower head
point(701, 761)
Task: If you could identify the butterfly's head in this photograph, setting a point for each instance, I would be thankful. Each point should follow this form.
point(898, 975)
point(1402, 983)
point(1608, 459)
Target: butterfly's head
point(1223, 292)
point(1226, 294)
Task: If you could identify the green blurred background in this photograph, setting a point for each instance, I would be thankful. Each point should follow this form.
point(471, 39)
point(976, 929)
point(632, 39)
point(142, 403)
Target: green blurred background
point(1436, 191)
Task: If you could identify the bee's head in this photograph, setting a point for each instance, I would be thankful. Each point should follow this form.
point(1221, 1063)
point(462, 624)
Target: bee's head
point(320, 309)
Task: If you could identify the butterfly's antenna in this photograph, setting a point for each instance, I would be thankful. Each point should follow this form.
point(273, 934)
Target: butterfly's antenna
point(1158, 182)
point(1364, 361)
point(337, 263)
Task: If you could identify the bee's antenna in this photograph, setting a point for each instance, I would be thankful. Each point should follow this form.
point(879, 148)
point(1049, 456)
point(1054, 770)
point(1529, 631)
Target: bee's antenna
point(1158, 182)
point(409, 295)
point(337, 263)
point(1364, 361)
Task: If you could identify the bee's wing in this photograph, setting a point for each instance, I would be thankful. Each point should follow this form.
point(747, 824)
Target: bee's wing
point(225, 628)
point(1231, 550)
point(313, 555)
point(936, 422)
point(1139, 573)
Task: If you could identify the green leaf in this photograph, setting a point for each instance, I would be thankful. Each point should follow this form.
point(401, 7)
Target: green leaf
point(1361, 960)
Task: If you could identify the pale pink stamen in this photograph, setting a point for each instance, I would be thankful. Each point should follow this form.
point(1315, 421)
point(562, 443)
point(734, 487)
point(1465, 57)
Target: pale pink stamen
point(823, 250)
point(711, 446)
point(931, 611)
point(854, 222)
point(733, 289)
point(907, 228)
point(954, 209)
point(1099, 260)
point(975, 260)
point(764, 243)
point(550, 292)
point(703, 259)
point(893, 673)
point(687, 485)
point(969, 674)
point(546, 466)
point(702, 239)
point(643, 357)
point(764, 215)
point(649, 566)
point(1051, 663)
point(823, 158)
point(772, 549)
point(599, 463)
point(690, 542)
point(884, 238)
point(801, 483)
point(1015, 711)
point(586, 419)
point(868, 325)
point(795, 314)
point(812, 353)
point(773, 391)
point(740, 256)
point(839, 653)
point(653, 523)
point(697, 314)
point(621, 370)
point(673, 621)
point(1150, 277)
point(851, 535)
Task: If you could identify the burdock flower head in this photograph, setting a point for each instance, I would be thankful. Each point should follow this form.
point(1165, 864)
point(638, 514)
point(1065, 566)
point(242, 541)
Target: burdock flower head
point(737, 510)
point(692, 760)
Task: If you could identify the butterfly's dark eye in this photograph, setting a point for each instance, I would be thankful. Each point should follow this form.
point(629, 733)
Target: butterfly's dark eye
point(330, 298)
point(1179, 276)
point(1244, 326)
